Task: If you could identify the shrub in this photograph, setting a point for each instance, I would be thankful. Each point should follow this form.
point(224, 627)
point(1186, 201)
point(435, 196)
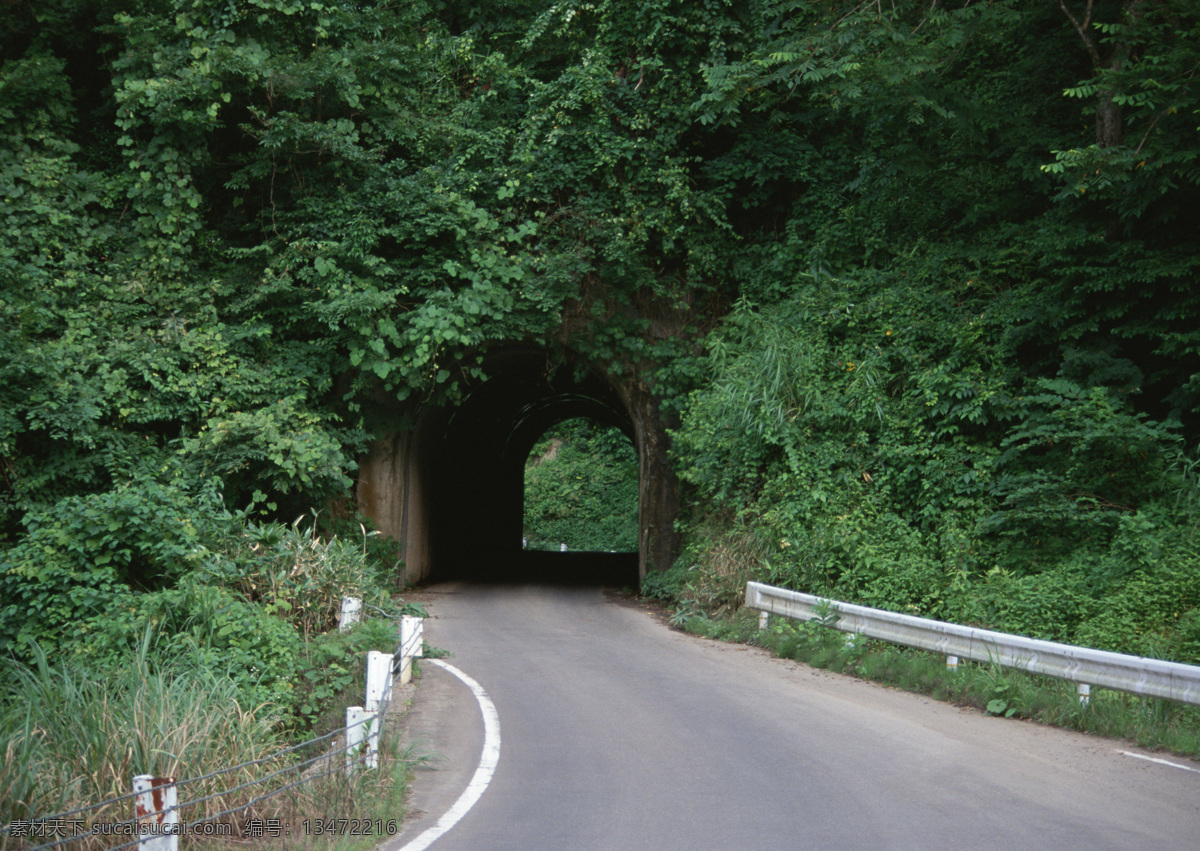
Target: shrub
point(293, 572)
point(85, 555)
point(581, 489)
point(882, 441)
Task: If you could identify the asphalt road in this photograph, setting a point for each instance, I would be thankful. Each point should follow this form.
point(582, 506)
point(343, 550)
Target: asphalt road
point(619, 733)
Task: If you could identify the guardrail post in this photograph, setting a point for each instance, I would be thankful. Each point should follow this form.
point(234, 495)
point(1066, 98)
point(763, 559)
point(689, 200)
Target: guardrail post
point(1085, 694)
point(362, 738)
point(156, 808)
point(351, 612)
point(379, 680)
point(1133, 674)
point(763, 619)
point(412, 631)
point(951, 663)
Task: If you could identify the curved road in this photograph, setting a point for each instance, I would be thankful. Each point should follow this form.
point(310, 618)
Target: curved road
point(619, 733)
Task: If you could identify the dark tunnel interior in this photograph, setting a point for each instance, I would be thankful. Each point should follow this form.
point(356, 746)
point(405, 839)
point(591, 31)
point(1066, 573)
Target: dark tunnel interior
point(475, 457)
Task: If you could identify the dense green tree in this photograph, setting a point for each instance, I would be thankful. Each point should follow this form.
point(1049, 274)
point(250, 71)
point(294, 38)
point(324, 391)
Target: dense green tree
point(581, 489)
point(230, 224)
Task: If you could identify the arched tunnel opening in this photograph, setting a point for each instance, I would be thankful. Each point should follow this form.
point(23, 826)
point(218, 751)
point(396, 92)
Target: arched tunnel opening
point(448, 481)
point(581, 490)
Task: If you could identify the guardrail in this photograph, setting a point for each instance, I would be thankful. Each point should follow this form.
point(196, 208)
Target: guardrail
point(1082, 665)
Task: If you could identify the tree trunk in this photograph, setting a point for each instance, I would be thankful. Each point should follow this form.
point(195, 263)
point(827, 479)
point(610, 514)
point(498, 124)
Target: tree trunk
point(1110, 131)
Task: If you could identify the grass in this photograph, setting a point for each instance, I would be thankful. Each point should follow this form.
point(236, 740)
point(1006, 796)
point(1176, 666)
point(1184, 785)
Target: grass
point(71, 739)
point(1151, 723)
point(336, 812)
point(355, 813)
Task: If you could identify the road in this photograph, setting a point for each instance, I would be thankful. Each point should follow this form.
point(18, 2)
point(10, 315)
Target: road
point(617, 732)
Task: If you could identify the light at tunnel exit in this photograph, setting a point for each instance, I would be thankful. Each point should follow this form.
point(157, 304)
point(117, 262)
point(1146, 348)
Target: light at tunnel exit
point(581, 490)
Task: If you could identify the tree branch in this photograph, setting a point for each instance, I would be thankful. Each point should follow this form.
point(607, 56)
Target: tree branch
point(1082, 29)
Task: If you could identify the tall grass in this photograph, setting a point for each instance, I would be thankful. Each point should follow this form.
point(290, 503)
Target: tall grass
point(73, 740)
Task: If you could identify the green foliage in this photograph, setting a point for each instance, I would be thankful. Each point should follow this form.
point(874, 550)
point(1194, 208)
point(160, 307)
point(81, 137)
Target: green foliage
point(1149, 171)
point(883, 443)
point(331, 671)
point(73, 738)
point(99, 573)
point(958, 371)
point(711, 575)
point(581, 489)
point(1076, 464)
point(295, 574)
point(89, 554)
point(666, 586)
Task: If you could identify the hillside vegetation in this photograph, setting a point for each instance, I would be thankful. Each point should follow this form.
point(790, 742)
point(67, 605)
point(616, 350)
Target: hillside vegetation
point(915, 283)
point(581, 490)
point(961, 379)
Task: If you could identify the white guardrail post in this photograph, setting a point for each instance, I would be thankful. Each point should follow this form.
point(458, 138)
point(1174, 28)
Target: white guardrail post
point(412, 642)
point(362, 738)
point(156, 811)
point(1082, 665)
point(350, 613)
point(379, 680)
point(362, 735)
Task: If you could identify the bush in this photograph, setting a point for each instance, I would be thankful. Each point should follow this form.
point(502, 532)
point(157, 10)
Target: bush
point(224, 593)
point(207, 626)
point(294, 573)
point(886, 442)
point(581, 489)
point(84, 556)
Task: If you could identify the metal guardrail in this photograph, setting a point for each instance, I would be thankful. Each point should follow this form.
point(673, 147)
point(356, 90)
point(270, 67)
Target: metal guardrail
point(1135, 674)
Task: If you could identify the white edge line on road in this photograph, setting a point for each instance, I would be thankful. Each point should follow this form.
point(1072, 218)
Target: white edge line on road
point(483, 774)
point(1161, 761)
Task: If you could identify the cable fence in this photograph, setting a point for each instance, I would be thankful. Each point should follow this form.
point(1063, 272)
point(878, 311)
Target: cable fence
point(156, 824)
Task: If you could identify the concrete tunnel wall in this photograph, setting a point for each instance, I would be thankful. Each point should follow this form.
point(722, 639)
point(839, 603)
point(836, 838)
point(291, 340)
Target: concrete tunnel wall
point(449, 484)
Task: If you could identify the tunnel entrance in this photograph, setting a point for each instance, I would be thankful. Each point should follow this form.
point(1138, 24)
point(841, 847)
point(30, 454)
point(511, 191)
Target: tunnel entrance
point(448, 481)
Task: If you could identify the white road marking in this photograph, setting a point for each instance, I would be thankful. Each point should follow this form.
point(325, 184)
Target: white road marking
point(483, 774)
point(1161, 761)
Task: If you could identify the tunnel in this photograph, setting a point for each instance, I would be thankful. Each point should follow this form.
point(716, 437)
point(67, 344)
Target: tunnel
point(447, 481)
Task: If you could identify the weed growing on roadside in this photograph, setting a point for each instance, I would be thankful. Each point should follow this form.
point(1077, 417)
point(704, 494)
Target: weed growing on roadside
point(1002, 692)
point(73, 740)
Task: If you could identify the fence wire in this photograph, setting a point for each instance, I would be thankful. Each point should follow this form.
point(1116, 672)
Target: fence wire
point(189, 828)
point(62, 818)
point(66, 816)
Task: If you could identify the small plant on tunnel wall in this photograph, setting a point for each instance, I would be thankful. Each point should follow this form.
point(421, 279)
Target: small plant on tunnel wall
point(581, 489)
